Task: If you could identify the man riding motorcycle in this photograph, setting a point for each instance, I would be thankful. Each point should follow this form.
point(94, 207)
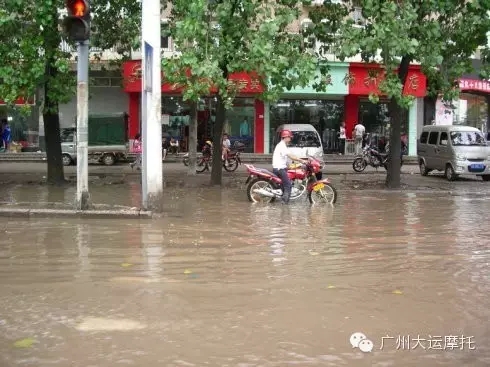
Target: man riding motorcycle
point(280, 163)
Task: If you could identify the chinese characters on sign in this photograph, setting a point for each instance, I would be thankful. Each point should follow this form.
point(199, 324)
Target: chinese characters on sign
point(448, 342)
point(328, 79)
point(413, 82)
point(349, 78)
point(371, 78)
point(473, 84)
point(242, 83)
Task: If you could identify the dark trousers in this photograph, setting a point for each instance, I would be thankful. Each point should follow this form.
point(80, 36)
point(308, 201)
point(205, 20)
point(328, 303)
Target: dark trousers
point(342, 146)
point(286, 183)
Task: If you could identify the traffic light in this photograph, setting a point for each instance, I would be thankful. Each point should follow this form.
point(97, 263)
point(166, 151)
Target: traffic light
point(77, 23)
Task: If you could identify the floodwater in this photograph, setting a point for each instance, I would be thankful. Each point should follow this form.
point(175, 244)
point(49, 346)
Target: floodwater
point(221, 282)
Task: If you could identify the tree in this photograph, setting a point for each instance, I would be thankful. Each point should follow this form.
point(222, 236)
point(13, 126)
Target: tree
point(440, 35)
point(31, 57)
point(218, 38)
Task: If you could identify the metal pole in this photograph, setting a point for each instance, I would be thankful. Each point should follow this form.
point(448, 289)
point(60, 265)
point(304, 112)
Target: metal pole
point(82, 199)
point(151, 114)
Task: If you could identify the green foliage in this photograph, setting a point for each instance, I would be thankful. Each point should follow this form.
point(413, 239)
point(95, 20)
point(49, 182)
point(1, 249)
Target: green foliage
point(441, 35)
point(218, 38)
point(30, 37)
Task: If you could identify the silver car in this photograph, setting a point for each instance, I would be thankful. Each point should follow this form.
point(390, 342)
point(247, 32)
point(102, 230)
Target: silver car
point(455, 150)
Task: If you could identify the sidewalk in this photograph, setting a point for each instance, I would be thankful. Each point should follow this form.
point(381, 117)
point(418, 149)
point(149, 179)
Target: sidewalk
point(175, 176)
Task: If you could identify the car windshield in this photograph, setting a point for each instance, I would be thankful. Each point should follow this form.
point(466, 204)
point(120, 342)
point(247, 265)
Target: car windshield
point(468, 138)
point(305, 139)
point(67, 135)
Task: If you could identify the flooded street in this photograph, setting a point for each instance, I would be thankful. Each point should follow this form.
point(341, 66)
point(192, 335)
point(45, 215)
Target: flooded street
point(221, 282)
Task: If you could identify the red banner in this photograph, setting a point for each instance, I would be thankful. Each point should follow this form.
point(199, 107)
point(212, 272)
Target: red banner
point(474, 85)
point(21, 102)
point(364, 79)
point(247, 83)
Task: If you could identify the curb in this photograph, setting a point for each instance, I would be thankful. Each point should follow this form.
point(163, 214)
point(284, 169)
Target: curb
point(37, 213)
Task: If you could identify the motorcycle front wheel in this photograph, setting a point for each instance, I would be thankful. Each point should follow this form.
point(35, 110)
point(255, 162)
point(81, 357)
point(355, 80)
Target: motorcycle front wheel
point(186, 161)
point(258, 184)
point(327, 194)
point(232, 166)
point(202, 165)
point(359, 164)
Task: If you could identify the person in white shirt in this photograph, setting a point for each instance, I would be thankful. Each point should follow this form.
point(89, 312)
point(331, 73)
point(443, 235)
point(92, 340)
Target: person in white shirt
point(280, 160)
point(225, 149)
point(342, 138)
point(359, 131)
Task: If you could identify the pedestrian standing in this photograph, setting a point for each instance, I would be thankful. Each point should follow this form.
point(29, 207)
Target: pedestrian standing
point(359, 131)
point(342, 138)
point(137, 149)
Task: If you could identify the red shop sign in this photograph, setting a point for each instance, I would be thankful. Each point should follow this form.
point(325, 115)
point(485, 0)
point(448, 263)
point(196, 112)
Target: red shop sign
point(247, 83)
point(364, 79)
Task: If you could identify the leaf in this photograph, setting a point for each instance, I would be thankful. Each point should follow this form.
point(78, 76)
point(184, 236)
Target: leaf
point(187, 271)
point(126, 265)
point(397, 291)
point(24, 343)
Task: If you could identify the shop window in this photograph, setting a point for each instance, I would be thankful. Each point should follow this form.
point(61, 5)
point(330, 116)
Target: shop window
point(239, 123)
point(326, 116)
point(471, 110)
point(376, 120)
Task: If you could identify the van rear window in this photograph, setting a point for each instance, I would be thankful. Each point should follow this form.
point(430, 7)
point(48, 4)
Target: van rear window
point(423, 137)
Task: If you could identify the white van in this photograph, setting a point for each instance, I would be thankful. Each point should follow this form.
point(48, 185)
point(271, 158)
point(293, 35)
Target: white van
point(305, 142)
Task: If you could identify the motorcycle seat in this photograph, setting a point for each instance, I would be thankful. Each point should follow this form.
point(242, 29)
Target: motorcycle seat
point(267, 172)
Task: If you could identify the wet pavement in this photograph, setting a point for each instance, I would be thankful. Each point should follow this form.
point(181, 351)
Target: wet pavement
point(221, 282)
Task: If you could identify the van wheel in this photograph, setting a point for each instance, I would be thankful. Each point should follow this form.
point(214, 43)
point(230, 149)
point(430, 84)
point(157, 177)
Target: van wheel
point(423, 168)
point(450, 175)
point(66, 159)
point(485, 177)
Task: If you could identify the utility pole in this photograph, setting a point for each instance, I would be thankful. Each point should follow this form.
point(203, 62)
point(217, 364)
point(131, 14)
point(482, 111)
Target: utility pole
point(151, 114)
point(77, 26)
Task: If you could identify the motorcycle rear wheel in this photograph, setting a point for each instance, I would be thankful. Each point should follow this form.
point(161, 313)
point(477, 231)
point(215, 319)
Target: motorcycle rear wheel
point(259, 183)
point(186, 161)
point(327, 194)
point(359, 164)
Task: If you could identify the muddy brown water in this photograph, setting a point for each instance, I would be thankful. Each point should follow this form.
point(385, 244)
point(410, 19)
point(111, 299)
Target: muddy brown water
point(221, 282)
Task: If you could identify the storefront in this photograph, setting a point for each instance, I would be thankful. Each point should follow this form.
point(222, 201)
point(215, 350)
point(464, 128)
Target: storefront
point(244, 123)
point(324, 110)
point(472, 108)
point(346, 99)
point(363, 80)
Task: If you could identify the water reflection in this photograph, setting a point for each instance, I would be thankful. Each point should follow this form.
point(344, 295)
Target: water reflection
point(249, 285)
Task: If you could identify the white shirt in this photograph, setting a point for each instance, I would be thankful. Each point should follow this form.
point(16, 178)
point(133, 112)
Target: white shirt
point(360, 129)
point(342, 133)
point(226, 143)
point(280, 156)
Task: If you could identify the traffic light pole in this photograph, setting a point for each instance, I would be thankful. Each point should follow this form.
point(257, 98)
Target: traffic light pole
point(82, 199)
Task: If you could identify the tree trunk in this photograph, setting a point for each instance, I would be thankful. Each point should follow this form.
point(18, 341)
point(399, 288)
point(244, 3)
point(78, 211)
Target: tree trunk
point(217, 169)
point(52, 137)
point(393, 173)
point(393, 179)
point(192, 145)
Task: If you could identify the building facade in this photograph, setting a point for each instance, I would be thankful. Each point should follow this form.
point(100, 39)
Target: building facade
point(254, 122)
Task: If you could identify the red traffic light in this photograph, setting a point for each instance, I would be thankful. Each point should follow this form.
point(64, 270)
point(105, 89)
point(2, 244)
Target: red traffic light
point(77, 8)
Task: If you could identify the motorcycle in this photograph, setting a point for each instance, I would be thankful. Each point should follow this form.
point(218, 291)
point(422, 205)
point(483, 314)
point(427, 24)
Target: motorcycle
point(205, 161)
point(265, 186)
point(370, 156)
